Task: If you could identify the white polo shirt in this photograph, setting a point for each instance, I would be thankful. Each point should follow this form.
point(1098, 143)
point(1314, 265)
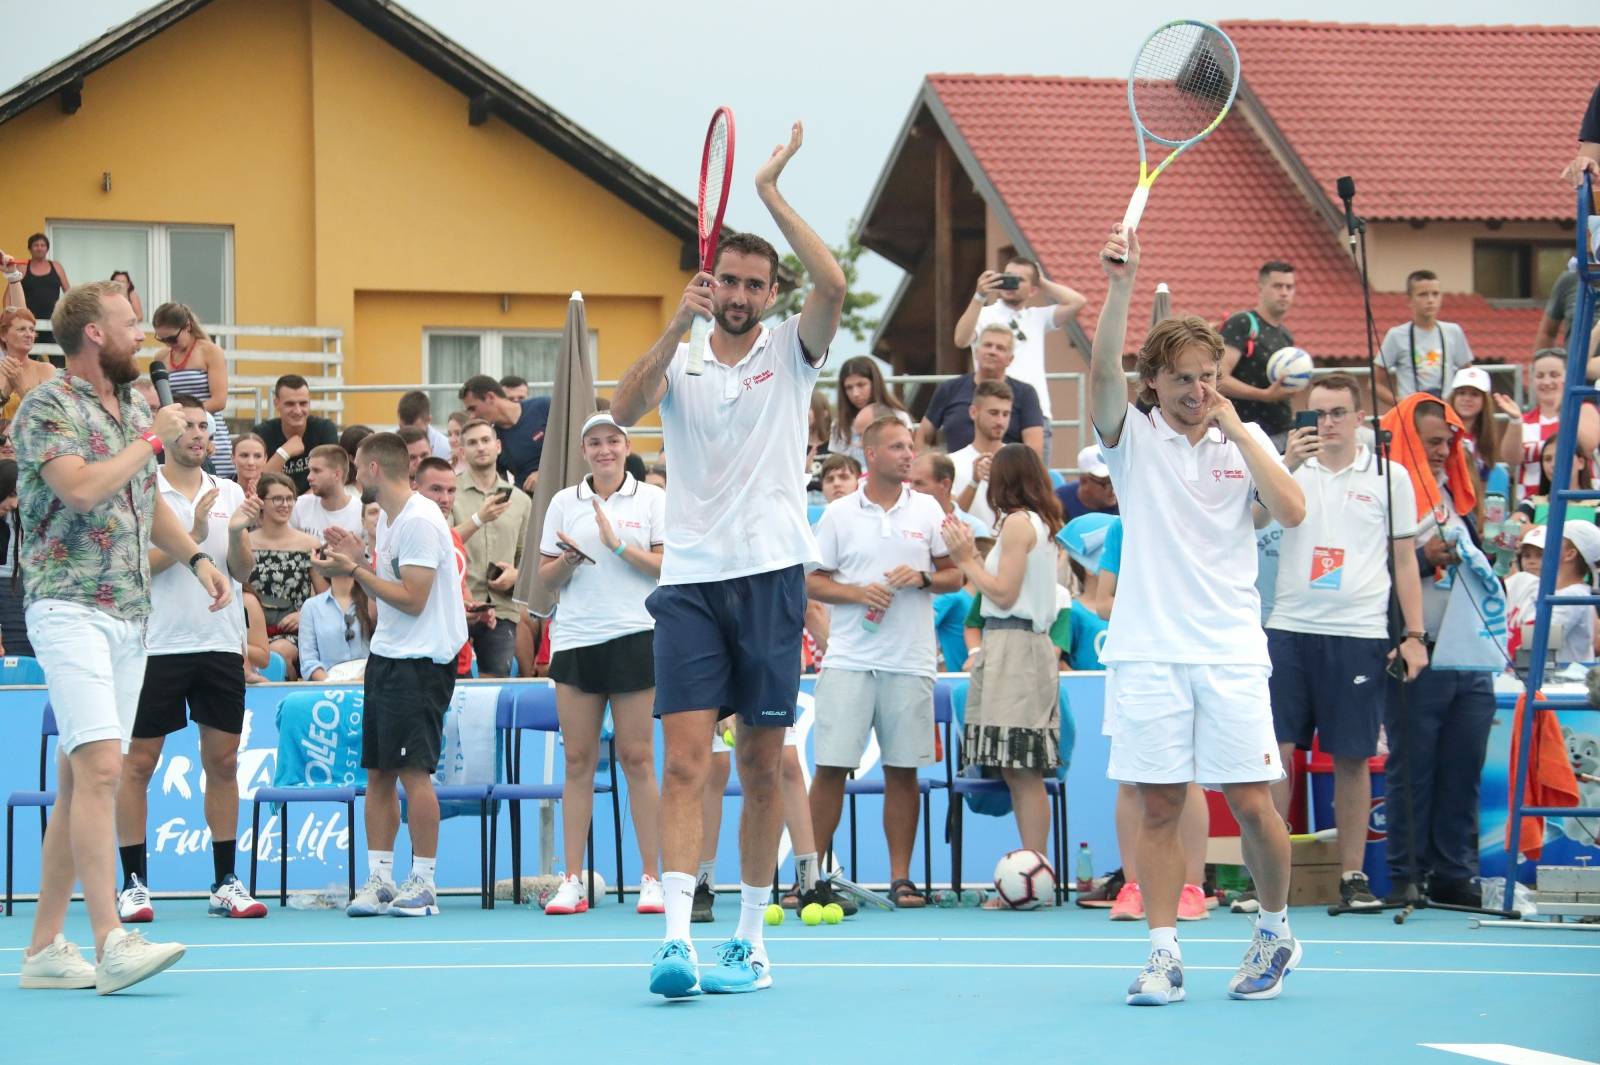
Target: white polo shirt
point(859, 542)
point(605, 600)
point(1187, 590)
point(1028, 326)
point(963, 461)
point(736, 435)
point(310, 516)
point(181, 621)
point(1333, 571)
point(420, 537)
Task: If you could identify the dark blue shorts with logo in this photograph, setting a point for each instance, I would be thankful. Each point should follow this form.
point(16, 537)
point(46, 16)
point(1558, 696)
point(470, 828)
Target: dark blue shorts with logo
point(1333, 686)
point(732, 646)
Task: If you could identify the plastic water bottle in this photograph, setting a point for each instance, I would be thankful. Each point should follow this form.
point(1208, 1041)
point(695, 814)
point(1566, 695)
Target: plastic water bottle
point(1495, 532)
point(1085, 868)
point(873, 618)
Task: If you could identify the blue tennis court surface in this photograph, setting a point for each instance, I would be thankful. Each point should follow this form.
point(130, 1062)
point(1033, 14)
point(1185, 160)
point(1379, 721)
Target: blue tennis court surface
point(315, 986)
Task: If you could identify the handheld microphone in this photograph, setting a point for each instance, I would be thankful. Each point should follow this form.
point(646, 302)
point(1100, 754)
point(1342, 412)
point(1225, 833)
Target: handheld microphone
point(1347, 193)
point(162, 382)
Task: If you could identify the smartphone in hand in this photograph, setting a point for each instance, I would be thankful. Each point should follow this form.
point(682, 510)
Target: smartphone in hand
point(1305, 419)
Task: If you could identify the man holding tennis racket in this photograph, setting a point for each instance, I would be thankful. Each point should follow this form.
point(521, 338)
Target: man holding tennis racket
point(1186, 690)
point(731, 602)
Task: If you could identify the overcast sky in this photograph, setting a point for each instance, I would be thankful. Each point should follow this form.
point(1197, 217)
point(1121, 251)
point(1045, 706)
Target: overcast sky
point(644, 76)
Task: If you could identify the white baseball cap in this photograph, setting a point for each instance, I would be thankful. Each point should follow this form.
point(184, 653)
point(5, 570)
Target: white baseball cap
point(1533, 536)
point(1092, 463)
point(1585, 536)
point(1472, 377)
point(597, 419)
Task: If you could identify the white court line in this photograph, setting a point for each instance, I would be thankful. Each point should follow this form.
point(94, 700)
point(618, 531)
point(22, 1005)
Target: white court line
point(1056, 966)
point(1505, 1054)
point(824, 937)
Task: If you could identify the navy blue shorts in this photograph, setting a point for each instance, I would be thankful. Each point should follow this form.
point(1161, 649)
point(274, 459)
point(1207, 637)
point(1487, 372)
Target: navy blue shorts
point(1331, 685)
point(731, 646)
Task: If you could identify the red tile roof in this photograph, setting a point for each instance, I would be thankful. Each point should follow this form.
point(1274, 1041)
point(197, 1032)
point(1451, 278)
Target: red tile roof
point(1060, 152)
point(1411, 111)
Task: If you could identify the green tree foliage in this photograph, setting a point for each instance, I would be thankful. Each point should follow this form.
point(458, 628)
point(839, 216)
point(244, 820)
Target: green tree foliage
point(854, 319)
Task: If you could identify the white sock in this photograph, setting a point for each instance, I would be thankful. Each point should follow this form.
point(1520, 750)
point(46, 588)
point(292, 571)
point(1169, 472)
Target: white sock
point(381, 864)
point(1166, 939)
point(1276, 923)
point(708, 874)
point(422, 868)
point(805, 870)
point(678, 889)
point(753, 902)
point(1348, 873)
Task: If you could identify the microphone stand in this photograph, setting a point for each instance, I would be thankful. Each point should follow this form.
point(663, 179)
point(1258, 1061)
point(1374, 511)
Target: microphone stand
point(1413, 899)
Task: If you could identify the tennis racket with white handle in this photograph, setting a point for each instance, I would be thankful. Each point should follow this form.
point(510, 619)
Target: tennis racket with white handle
point(716, 175)
point(1182, 84)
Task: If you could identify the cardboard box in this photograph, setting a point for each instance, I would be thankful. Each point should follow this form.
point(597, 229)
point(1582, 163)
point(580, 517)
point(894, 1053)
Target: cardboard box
point(1314, 867)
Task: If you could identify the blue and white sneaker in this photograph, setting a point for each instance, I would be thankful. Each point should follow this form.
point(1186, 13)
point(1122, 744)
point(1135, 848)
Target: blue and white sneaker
point(1266, 963)
point(675, 970)
point(1160, 983)
point(740, 967)
point(415, 898)
point(373, 899)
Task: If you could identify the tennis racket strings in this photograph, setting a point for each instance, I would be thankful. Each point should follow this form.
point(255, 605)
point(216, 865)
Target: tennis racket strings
point(711, 177)
point(1183, 80)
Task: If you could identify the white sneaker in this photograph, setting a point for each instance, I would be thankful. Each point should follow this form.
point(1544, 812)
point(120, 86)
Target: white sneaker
point(133, 903)
point(57, 966)
point(570, 897)
point(232, 900)
point(651, 898)
point(373, 899)
point(128, 958)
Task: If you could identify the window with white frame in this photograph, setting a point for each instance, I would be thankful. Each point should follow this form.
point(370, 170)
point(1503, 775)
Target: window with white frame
point(450, 356)
point(168, 263)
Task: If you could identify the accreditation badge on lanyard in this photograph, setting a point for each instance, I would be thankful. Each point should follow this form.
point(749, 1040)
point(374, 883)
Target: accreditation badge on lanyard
point(1327, 568)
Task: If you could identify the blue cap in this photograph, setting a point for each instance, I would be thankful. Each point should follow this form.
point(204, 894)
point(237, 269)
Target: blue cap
point(1084, 537)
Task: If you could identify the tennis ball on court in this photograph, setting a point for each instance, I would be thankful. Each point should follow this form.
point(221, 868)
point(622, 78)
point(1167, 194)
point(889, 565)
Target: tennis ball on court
point(833, 913)
point(812, 914)
point(774, 914)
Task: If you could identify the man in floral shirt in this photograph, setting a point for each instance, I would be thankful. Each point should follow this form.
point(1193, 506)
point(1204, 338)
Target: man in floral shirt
point(86, 448)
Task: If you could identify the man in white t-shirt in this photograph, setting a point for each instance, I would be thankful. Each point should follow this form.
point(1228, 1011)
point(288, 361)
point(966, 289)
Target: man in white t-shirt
point(1186, 691)
point(411, 671)
point(1328, 633)
point(195, 660)
point(1002, 297)
point(991, 413)
point(731, 602)
point(1424, 353)
point(328, 502)
point(882, 562)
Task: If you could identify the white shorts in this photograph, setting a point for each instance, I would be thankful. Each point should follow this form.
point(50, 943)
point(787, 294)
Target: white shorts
point(94, 667)
point(852, 704)
point(791, 738)
point(1171, 724)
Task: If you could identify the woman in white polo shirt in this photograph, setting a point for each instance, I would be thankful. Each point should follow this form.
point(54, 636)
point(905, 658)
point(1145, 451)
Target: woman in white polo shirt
point(1013, 722)
point(602, 548)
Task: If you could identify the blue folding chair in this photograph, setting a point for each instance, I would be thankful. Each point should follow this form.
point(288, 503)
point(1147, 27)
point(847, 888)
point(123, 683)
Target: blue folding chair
point(16, 670)
point(283, 797)
point(533, 708)
point(277, 669)
point(43, 798)
point(484, 795)
point(960, 787)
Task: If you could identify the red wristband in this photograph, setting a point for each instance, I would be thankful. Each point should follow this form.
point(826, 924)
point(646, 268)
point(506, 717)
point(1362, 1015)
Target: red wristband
point(153, 440)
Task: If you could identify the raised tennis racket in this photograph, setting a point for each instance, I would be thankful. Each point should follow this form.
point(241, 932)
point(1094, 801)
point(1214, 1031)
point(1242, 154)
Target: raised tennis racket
point(1182, 84)
point(716, 174)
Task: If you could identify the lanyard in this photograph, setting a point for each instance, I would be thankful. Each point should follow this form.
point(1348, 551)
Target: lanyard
point(1416, 378)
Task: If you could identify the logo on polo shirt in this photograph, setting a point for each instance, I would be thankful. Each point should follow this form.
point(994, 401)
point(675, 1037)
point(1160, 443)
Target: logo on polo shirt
point(751, 382)
point(913, 534)
point(1233, 475)
point(622, 524)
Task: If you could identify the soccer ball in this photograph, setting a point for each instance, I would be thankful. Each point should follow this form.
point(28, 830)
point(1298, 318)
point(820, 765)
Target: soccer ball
point(1024, 880)
point(1291, 368)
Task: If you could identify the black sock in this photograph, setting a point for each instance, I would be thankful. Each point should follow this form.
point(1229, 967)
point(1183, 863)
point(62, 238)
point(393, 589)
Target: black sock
point(132, 863)
point(222, 858)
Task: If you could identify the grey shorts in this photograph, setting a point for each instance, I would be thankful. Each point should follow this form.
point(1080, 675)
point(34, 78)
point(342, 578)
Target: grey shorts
point(851, 704)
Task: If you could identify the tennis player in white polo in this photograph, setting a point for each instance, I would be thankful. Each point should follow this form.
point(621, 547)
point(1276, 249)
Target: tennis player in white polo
point(1186, 657)
point(731, 601)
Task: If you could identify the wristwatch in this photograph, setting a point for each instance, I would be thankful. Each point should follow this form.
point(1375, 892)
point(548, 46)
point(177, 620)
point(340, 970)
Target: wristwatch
point(199, 557)
point(926, 580)
point(1412, 635)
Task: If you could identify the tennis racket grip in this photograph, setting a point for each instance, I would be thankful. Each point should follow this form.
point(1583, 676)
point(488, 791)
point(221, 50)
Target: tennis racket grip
point(1130, 219)
point(699, 332)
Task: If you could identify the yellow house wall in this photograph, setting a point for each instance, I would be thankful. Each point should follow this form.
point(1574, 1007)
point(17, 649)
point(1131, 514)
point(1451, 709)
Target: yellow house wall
point(1394, 249)
point(345, 168)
